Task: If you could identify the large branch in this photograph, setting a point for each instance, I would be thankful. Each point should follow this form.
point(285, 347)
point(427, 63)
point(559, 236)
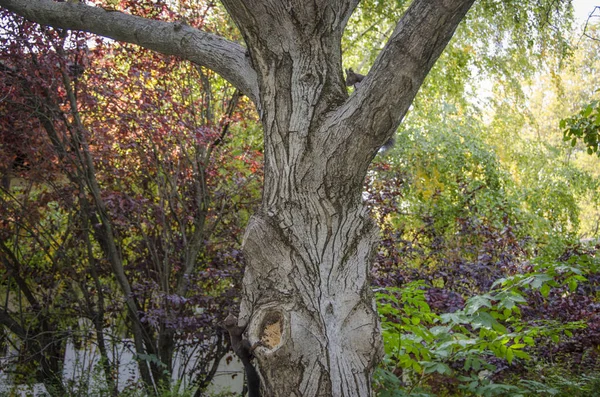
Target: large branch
point(224, 57)
point(384, 96)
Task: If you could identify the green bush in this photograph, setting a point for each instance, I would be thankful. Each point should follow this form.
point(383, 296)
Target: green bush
point(459, 353)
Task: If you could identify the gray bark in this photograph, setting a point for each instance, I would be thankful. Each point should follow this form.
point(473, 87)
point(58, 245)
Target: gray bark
point(309, 248)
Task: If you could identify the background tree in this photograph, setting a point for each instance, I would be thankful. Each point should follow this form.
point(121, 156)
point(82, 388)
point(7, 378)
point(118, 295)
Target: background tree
point(478, 189)
point(80, 161)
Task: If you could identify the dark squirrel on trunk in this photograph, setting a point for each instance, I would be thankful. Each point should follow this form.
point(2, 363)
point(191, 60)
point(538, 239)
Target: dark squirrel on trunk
point(244, 350)
point(354, 79)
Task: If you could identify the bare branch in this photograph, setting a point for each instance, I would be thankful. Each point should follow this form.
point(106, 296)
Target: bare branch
point(592, 15)
point(226, 58)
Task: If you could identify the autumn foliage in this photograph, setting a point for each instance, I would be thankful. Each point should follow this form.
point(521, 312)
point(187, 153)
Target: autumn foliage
point(120, 189)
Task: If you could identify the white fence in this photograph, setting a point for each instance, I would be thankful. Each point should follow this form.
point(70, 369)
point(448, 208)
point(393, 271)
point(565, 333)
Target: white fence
point(84, 376)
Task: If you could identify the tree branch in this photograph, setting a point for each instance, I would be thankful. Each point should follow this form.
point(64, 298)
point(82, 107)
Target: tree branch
point(214, 52)
point(384, 96)
point(12, 325)
point(257, 14)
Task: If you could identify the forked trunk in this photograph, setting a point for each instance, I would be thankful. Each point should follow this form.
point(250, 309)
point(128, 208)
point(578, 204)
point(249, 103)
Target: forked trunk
point(306, 286)
point(307, 294)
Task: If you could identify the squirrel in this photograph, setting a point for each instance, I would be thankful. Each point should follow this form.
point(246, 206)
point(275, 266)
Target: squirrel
point(244, 350)
point(353, 79)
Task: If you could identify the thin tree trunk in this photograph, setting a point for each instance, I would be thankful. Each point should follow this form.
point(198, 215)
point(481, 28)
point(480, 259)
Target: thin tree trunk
point(105, 236)
point(52, 357)
point(98, 314)
point(98, 319)
point(42, 341)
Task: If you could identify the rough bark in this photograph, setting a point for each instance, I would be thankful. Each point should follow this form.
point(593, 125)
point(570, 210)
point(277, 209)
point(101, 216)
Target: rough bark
point(309, 248)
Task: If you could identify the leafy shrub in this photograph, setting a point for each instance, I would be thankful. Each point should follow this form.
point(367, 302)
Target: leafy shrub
point(465, 351)
point(584, 126)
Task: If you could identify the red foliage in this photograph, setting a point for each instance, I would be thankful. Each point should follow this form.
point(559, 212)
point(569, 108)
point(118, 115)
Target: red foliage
point(168, 180)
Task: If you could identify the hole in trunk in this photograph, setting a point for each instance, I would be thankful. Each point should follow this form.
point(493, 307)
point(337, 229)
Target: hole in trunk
point(272, 328)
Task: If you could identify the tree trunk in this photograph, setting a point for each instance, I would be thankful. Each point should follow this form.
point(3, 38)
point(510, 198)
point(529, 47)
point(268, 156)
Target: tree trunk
point(307, 288)
point(309, 250)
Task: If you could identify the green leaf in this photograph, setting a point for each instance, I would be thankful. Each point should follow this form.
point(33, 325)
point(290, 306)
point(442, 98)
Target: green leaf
point(416, 367)
point(540, 279)
point(477, 302)
point(521, 354)
point(545, 290)
point(572, 285)
point(510, 355)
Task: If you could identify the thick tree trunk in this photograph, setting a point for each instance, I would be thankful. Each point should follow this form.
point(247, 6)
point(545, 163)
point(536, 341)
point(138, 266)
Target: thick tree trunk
point(309, 249)
point(308, 294)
